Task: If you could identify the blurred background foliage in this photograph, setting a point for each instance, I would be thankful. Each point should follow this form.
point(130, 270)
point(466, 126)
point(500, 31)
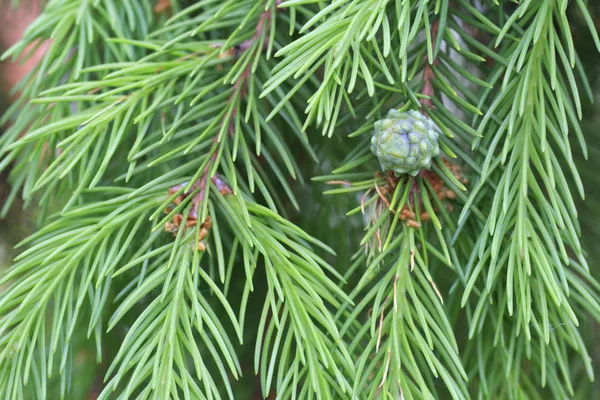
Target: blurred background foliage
point(589, 208)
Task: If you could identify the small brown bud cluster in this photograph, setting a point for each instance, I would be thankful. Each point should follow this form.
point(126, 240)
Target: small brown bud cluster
point(441, 191)
point(177, 221)
point(410, 217)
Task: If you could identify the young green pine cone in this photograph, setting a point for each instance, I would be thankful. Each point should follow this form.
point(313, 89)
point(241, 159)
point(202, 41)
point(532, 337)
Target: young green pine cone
point(405, 142)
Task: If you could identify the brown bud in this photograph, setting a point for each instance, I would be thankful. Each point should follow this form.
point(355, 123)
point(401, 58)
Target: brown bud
point(190, 222)
point(413, 224)
point(177, 219)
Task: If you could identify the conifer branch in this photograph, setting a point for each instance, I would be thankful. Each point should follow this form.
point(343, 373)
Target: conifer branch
point(397, 261)
point(533, 220)
point(238, 93)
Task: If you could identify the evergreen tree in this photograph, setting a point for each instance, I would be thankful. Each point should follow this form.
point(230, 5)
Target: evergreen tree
point(226, 207)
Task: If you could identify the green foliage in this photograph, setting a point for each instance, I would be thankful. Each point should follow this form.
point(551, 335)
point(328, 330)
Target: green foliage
point(468, 281)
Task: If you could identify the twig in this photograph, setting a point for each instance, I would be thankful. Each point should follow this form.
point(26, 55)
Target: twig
point(239, 90)
point(264, 23)
point(428, 75)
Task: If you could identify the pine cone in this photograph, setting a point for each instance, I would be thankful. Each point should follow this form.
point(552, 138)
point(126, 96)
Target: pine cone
point(405, 142)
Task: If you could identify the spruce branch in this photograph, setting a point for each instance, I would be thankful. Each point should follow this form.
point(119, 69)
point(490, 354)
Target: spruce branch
point(116, 113)
point(164, 335)
point(296, 303)
point(68, 262)
point(532, 216)
point(516, 200)
point(238, 94)
point(394, 352)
